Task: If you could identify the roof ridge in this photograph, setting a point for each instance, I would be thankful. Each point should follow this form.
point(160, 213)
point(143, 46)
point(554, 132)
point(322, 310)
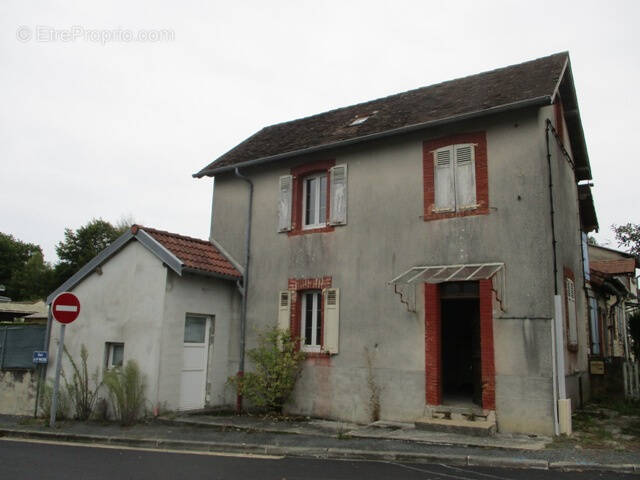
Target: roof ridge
point(412, 90)
point(178, 235)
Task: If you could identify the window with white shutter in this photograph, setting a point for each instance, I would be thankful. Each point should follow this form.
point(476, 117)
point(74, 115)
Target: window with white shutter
point(465, 177)
point(284, 203)
point(444, 180)
point(284, 310)
point(338, 204)
point(455, 178)
point(572, 337)
point(331, 320)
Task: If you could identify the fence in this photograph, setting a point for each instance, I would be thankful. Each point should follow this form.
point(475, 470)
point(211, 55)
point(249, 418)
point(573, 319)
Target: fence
point(17, 344)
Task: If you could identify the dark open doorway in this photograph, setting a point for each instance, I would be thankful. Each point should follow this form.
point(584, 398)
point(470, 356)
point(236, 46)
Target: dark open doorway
point(461, 354)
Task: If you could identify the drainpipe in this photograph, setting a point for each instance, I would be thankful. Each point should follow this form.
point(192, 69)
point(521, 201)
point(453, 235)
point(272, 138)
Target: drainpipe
point(245, 284)
point(562, 405)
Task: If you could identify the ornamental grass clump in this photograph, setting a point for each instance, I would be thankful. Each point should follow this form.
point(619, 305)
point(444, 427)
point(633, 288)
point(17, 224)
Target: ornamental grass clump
point(277, 363)
point(126, 389)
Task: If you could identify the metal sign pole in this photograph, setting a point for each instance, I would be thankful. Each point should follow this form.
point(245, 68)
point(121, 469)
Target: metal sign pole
point(56, 385)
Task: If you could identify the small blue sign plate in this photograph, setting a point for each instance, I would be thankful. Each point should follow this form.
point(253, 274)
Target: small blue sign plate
point(40, 357)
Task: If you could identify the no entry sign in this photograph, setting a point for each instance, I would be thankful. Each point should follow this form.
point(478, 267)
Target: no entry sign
point(66, 307)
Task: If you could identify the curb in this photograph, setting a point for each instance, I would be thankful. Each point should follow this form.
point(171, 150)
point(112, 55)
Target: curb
point(322, 453)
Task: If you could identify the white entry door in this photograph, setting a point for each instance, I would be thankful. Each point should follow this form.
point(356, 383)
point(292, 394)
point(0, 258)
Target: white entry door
point(195, 358)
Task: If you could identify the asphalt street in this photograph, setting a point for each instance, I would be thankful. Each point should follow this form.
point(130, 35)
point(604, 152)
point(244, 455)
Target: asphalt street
point(46, 460)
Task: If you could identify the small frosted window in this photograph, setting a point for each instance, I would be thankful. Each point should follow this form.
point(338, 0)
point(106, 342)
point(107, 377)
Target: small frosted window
point(194, 329)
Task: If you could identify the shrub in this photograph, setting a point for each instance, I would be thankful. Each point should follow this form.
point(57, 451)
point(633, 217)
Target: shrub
point(126, 389)
point(82, 397)
point(277, 364)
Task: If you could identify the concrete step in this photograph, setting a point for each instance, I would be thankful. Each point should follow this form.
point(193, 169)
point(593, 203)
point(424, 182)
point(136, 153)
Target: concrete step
point(477, 427)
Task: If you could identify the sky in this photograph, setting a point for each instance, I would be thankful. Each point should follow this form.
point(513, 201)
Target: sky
point(108, 108)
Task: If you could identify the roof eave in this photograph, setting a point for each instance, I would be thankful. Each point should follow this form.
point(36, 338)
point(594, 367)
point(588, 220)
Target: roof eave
point(537, 101)
point(207, 273)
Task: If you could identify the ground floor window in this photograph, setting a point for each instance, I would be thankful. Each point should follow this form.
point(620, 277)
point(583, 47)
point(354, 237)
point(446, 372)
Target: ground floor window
point(114, 355)
point(311, 321)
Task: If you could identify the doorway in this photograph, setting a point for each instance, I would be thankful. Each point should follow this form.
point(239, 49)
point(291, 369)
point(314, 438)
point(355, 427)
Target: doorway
point(195, 357)
point(461, 352)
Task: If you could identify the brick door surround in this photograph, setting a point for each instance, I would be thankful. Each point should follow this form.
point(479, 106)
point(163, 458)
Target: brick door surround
point(433, 344)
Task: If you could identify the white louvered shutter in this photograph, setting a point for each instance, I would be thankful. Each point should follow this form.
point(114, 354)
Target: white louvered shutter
point(284, 203)
point(571, 312)
point(284, 309)
point(465, 176)
point(331, 320)
point(444, 182)
point(338, 205)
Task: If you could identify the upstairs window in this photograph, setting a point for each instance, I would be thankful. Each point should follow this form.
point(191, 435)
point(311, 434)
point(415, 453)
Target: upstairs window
point(455, 175)
point(455, 178)
point(314, 197)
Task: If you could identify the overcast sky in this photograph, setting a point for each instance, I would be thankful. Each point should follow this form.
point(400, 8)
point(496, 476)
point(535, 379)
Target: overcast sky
point(96, 123)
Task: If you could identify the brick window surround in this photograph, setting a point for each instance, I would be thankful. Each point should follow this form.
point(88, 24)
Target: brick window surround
point(298, 286)
point(299, 173)
point(482, 177)
point(433, 345)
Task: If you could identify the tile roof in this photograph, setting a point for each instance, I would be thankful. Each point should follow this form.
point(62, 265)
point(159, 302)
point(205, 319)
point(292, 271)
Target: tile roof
point(194, 253)
point(533, 81)
point(627, 265)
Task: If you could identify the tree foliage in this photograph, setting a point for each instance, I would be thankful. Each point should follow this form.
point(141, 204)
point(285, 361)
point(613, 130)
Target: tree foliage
point(23, 271)
point(628, 236)
point(81, 245)
point(277, 364)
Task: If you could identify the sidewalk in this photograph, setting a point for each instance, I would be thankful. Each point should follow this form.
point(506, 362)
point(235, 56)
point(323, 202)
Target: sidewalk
point(326, 439)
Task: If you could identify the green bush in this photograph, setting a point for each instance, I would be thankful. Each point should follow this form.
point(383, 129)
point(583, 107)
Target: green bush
point(277, 364)
point(126, 388)
point(82, 397)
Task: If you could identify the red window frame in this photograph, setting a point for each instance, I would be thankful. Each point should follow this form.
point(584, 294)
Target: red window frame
point(299, 286)
point(481, 171)
point(299, 173)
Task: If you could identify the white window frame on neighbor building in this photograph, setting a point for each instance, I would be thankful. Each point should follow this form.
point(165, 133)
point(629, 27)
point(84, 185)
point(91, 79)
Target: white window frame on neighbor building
point(455, 178)
point(113, 359)
point(312, 343)
point(319, 201)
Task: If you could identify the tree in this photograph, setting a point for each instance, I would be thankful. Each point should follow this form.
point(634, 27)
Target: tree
point(628, 236)
point(23, 270)
point(81, 245)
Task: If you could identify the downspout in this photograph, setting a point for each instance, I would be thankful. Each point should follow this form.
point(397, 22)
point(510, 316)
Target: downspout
point(554, 340)
point(245, 284)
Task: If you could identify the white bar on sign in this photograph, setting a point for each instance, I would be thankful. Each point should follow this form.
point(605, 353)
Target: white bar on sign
point(66, 308)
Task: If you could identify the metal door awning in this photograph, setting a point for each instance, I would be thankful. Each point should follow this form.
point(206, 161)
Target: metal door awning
point(456, 273)
point(448, 273)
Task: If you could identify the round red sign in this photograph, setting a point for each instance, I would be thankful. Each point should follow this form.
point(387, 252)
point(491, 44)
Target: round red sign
point(66, 307)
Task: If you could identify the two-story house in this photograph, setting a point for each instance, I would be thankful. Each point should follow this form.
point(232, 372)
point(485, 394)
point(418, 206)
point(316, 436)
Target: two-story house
point(425, 247)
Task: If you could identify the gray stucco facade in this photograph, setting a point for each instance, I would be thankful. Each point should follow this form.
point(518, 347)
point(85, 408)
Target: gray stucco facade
point(386, 234)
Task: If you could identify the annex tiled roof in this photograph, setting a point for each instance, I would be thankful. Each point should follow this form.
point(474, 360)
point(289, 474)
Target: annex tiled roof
point(194, 253)
point(532, 82)
point(610, 267)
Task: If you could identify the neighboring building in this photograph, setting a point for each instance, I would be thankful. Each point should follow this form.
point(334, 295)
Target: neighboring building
point(23, 311)
point(162, 299)
point(615, 296)
point(411, 243)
